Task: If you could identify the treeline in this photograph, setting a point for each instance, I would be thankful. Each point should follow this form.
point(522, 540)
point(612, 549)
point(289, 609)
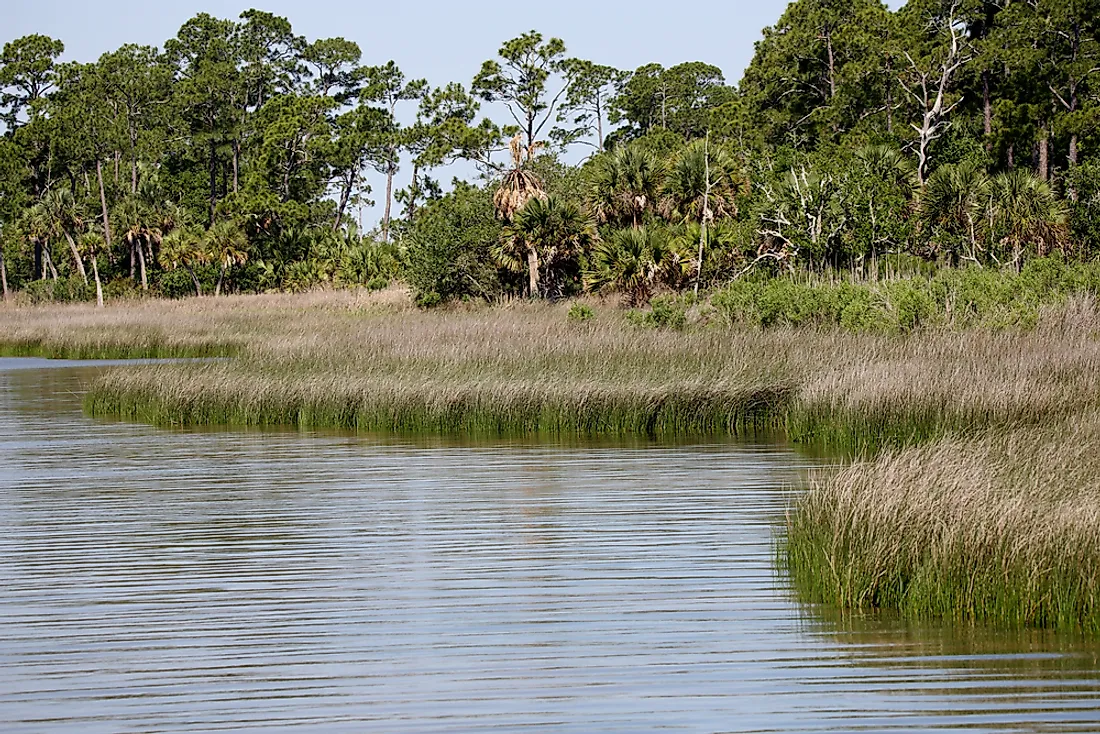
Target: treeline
point(236, 157)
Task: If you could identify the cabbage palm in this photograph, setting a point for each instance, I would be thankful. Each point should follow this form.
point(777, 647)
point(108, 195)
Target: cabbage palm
point(953, 202)
point(183, 248)
point(624, 185)
point(38, 229)
point(226, 245)
point(519, 186)
point(635, 262)
point(544, 235)
point(702, 184)
point(1025, 211)
point(138, 225)
point(63, 218)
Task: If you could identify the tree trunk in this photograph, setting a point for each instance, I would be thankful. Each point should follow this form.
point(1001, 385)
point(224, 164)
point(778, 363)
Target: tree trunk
point(103, 204)
point(533, 272)
point(1044, 153)
point(987, 112)
point(213, 180)
point(345, 196)
point(414, 191)
point(236, 165)
point(390, 170)
point(4, 274)
point(76, 257)
point(141, 266)
point(195, 280)
point(98, 282)
point(49, 261)
point(218, 285)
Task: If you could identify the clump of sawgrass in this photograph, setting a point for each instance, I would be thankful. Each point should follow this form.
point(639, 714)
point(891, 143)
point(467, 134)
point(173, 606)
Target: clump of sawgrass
point(1003, 529)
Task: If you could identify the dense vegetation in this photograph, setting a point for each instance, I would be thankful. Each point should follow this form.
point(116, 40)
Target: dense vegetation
point(233, 158)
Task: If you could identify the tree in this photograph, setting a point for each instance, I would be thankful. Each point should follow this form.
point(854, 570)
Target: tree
point(586, 100)
point(1025, 211)
point(815, 73)
point(545, 237)
point(624, 185)
point(334, 64)
point(522, 83)
point(635, 262)
point(680, 99)
point(952, 205)
point(226, 246)
point(27, 74)
point(387, 86)
point(518, 186)
point(208, 90)
point(936, 49)
point(450, 247)
point(64, 220)
point(184, 248)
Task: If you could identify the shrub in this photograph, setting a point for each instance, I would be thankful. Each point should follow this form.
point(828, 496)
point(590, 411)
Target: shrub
point(580, 312)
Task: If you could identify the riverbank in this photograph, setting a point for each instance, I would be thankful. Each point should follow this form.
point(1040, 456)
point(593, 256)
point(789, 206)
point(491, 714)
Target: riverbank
point(930, 402)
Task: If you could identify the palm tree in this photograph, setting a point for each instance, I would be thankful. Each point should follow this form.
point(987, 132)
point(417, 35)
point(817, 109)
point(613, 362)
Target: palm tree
point(624, 185)
point(702, 184)
point(183, 248)
point(138, 225)
point(63, 218)
point(91, 243)
point(38, 229)
point(544, 235)
point(226, 245)
point(635, 262)
point(519, 186)
point(952, 203)
point(887, 163)
point(1025, 211)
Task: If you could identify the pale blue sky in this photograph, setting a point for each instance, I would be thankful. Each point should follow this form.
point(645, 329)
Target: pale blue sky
point(440, 41)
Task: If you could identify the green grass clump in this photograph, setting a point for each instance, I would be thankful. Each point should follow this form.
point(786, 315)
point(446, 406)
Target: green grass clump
point(1003, 529)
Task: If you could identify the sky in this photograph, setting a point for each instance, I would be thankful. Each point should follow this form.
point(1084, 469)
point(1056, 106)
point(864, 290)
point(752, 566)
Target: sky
point(433, 39)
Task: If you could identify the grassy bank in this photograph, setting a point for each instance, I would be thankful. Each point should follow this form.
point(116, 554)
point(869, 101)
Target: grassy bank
point(965, 501)
point(1004, 529)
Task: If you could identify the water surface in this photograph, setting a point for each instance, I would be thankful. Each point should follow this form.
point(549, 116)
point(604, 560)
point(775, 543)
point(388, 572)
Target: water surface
point(155, 580)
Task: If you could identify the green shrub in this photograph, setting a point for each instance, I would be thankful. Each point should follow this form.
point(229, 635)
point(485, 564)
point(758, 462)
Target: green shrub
point(580, 312)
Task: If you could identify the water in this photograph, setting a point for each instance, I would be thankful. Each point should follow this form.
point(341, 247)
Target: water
point(155, 580)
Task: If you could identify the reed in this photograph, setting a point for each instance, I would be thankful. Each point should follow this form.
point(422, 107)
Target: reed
point(1002, 529)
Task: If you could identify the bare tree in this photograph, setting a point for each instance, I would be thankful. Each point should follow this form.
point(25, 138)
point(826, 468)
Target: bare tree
point(930, 84)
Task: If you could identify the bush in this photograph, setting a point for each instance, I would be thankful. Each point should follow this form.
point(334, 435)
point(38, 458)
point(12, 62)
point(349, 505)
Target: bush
point(450, 247)
point(580, 312)
point(62, 290)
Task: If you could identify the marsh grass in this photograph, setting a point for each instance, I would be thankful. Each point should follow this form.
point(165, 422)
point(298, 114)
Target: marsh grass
point(1004, 528)
point(973, 494)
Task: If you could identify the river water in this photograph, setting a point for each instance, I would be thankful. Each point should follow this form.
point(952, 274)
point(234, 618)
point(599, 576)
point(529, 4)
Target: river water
point(158, 580)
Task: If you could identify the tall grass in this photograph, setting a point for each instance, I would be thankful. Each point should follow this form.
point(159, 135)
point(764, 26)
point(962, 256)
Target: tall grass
point(974, 492)
point(1004, 528)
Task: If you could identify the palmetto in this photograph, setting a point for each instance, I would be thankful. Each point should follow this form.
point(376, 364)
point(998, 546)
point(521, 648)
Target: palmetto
point(226, 245)
point(635, 262)
point(624, 186)
point(542, 235)
point(183, 248)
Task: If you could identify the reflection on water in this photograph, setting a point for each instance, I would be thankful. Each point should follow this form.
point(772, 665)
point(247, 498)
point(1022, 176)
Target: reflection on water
point(193, 581)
